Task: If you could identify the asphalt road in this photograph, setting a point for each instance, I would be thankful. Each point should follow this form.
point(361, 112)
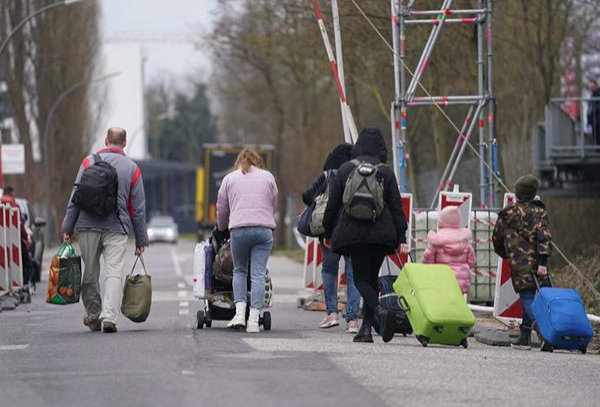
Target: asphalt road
point(48, 358)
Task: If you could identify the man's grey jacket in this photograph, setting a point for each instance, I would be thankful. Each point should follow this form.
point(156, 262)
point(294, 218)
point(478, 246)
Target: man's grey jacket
point(131, 200)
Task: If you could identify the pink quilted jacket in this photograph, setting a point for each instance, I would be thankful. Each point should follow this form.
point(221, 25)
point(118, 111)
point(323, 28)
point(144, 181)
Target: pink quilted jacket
point(452, 247)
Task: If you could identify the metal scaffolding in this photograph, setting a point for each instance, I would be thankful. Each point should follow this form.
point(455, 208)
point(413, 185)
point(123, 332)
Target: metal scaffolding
point(481, 104)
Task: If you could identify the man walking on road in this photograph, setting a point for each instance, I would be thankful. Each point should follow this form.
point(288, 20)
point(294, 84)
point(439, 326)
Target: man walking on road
point(106, 204)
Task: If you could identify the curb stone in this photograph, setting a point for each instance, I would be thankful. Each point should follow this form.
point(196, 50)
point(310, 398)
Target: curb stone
point(502, 337)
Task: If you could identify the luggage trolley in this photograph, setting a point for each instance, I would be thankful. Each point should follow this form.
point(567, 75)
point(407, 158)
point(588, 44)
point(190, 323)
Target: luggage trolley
point(216, 296)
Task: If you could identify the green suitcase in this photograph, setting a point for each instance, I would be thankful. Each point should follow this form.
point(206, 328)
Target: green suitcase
point(434, 304)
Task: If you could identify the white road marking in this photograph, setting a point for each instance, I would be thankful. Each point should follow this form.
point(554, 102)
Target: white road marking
point(13, 347)
point(176, 264)
point(182, 294)
point(180, 285)
point(184, 311)
point(184, 304)
point(175, 296)
point(187, 372)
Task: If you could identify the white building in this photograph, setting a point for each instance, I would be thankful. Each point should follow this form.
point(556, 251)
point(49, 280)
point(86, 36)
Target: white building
point(123, 105)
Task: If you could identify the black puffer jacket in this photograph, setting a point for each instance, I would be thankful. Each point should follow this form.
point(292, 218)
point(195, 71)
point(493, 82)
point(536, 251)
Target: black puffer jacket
point(336, 158)
point(389, 230)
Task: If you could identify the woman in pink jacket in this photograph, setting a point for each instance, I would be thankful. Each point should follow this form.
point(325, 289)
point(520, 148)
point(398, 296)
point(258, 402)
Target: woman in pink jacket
point(451, 245)
point(246, 204)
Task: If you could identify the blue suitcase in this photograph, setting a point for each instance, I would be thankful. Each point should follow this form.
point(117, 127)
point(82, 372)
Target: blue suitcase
point(561, 318)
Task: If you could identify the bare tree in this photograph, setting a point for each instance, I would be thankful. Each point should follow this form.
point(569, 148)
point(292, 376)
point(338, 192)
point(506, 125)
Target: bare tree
point(56, 50)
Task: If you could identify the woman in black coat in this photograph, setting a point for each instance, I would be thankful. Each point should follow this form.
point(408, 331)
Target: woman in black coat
point(367, 242)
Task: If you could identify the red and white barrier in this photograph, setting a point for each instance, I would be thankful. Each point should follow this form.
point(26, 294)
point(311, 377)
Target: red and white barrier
point(4, 254)
point(313, 264)
point(507, 307)
point(334, 70)
point(16, 265)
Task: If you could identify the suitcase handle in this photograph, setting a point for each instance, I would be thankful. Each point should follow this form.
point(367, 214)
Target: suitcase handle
point(403, 304)
point(400, 260)
point(537, 283)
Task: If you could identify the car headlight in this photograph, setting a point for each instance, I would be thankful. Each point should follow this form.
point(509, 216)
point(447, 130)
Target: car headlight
point(170, 232)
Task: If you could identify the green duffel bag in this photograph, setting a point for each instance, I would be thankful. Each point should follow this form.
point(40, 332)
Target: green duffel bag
point(137, 294)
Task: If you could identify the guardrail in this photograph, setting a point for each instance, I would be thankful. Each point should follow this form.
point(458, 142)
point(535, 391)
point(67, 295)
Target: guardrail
point(569, 134)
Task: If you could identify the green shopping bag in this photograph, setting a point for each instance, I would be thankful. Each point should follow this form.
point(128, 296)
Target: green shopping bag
point(64, 278)
point(137, 294)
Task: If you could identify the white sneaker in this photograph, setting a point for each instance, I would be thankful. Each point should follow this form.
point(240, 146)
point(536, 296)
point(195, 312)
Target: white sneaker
point(329, 321)
point(252, 327)
point(352, 326)
point(239, 320)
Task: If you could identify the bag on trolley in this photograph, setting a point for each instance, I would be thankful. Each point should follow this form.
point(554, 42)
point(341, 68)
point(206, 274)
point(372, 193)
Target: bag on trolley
point(204, 255)
point(561, 318)
point(434, 304)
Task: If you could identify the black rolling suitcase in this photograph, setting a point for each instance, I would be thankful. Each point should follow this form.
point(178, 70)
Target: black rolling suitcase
point(389, 300)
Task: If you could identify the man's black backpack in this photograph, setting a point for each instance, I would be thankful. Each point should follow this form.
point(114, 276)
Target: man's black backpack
point(97, 190)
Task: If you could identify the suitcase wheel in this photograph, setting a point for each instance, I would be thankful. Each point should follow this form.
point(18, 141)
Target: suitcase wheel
point(25, 297)
point(464, 343)
point(200, 319)
point(583, 350)
point(208, 319)
point(423, 340)
point(265, 321)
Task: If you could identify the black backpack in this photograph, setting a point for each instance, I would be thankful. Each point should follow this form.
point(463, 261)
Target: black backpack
point(97, 190)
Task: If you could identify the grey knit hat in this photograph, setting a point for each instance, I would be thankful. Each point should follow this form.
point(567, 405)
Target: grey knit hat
point(526, 187)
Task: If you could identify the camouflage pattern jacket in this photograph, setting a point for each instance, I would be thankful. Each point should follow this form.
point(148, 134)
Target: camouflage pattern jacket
point(522, 237)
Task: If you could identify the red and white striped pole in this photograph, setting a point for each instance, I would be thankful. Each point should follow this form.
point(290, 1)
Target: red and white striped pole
point(334, 71)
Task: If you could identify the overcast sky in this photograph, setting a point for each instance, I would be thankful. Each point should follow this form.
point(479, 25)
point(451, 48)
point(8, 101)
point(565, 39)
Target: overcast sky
point(162, 17)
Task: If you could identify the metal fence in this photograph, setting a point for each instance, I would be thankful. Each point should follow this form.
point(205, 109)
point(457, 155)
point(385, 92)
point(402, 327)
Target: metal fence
point(570, 133)
point(483, 277)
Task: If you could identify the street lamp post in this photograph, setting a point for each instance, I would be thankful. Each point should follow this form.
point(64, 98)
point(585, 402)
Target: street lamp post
point(46, 140)
point(12, 33)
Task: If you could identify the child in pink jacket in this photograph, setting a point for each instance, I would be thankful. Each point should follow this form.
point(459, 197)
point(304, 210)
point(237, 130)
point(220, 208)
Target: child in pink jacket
point(451, 245)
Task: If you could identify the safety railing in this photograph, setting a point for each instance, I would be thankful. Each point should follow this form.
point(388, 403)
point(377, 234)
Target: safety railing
point(483, 277)
point(571, 132)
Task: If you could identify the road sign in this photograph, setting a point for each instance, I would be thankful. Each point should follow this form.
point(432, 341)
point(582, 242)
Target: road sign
point(13, 158)
point(464, 202)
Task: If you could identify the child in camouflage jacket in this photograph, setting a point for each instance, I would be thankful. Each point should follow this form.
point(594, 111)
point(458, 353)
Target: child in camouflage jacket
point(522, 237)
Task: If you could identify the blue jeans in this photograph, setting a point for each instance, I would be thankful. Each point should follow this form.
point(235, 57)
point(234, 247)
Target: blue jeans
point(526, 301)
point(250, 245)
point(331, 262)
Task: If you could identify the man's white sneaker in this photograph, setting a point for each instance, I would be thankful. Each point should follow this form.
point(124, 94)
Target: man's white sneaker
point(252, 327)
point(239, 320)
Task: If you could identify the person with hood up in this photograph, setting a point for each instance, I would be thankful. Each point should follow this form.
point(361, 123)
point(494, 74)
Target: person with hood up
point(367, 242)
point(522, 237)
point(331, 260)
point(451, 245)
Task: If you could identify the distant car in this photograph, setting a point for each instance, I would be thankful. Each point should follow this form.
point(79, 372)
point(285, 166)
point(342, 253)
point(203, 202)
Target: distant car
point(162, 229)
